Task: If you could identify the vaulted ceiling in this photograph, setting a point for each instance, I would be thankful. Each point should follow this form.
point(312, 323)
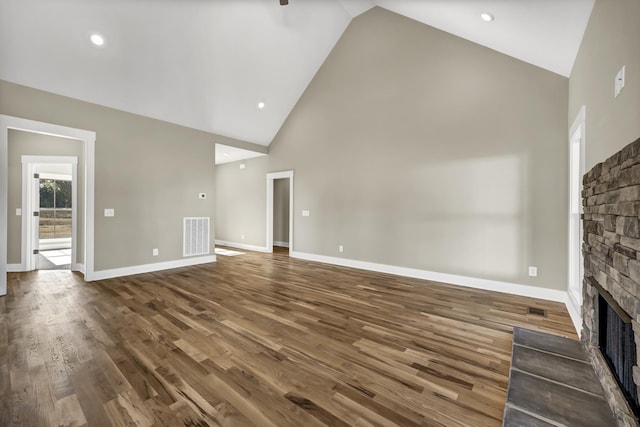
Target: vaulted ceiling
point(207, 64)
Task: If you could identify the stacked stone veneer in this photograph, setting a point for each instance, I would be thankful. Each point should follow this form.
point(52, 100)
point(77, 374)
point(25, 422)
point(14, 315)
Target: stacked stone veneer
point(611, 247)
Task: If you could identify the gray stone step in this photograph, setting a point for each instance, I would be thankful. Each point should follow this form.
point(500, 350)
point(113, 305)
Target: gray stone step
point(552, 383)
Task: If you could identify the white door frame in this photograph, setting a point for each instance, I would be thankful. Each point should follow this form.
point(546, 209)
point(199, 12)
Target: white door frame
point(271, 177)
point(88, 138)
point(29, 205)
point(576, 263)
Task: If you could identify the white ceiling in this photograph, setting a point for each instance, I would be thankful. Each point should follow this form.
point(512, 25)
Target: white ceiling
point(207, 63)
point(228, 154)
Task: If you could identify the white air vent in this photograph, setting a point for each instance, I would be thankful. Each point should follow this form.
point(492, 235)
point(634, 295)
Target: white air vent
point(196, 236)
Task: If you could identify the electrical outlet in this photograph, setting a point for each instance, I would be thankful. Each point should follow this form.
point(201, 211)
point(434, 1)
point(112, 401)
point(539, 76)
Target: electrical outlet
point(18, 212)
point(533, 271)
point(155, 251)
point(242, 236)
point(305, 213)
point(109, 212)
point(340, 248)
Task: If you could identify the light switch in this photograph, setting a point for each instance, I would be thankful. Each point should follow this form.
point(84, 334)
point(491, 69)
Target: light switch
point(109, 212)
point(18, 212)
point(305, 213)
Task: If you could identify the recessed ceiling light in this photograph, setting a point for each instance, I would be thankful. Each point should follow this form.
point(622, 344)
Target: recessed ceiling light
point(97, 39)
point(261, 105)
point(486, 16)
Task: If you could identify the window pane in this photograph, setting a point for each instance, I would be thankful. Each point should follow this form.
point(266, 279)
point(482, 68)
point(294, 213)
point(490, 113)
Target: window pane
point(46, 193)
point(47, 223)
point(63, 194)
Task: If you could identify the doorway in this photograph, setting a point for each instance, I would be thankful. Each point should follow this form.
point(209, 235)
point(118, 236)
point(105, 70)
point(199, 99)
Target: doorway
point(87, 139)
point(576, 171)
point(50, 226)
point(280, 212)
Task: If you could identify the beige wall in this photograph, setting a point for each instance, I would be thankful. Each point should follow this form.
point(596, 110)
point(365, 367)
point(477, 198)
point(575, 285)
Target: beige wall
point(241, 217)
point(415, 148)
point(149, 171)
point(611, 40)
point(281, 210)
point(33, 144)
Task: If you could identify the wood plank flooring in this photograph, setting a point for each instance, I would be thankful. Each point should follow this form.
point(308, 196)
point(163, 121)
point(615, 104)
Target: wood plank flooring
point(257, 339)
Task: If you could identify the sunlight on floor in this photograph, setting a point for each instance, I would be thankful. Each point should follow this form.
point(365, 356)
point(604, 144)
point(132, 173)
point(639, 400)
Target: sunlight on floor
point(227, 252)
point(58, 256)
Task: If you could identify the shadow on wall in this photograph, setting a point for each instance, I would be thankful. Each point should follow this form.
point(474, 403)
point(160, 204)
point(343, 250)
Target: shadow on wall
point(476, 216)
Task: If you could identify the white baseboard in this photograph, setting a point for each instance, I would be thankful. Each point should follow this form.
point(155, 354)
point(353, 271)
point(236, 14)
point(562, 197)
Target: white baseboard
point(281, 244)
point(471, 282)
point(149, 268)
point(243, 246)
point(15, 268)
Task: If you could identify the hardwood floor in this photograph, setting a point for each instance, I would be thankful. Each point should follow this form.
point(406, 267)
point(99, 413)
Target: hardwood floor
point(257, 339)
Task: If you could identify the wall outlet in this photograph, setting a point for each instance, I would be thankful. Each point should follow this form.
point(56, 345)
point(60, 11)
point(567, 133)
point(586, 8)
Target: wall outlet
point(305, 213)
point(242, 236)
point(18, 212)
point(202, 195)
point(242, 166)
point(109, 212)
point(340, 248)
point(533, 271)
point(155, 251)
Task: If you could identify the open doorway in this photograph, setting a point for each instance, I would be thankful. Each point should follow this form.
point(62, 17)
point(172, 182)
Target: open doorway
point(11, 258)
point(281, 215)
point(52, 197)
point(280, 212)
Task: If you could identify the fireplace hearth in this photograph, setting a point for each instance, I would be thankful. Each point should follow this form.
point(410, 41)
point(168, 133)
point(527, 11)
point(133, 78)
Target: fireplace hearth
point(611, 287)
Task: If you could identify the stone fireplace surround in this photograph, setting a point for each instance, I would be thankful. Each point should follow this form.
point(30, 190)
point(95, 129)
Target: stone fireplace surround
point(611, 248)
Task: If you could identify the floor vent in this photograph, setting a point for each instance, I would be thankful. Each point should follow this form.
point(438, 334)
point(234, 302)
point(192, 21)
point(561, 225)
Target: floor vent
point(537, 311)
point(196, 236)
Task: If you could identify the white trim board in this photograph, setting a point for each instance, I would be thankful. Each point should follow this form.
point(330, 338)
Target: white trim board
point(88, 138)
point(243, 246)
point(150, 268)
point(470, 282)
point(281, 244)
point(575, 313)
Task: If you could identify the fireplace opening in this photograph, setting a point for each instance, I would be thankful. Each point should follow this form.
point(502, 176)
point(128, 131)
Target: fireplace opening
point(617, 344)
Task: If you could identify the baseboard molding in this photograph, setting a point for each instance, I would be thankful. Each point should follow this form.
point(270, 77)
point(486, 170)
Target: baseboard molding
point(78, 268)
point(281, 244)
point(243, 246)
point(149, 268)
point(15, 268)
point(470, 282)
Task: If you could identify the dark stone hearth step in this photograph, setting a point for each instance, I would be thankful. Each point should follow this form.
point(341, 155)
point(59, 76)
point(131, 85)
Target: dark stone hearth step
point(564, 370)
point(515, 417)
point(550, 343)
point(552, 383)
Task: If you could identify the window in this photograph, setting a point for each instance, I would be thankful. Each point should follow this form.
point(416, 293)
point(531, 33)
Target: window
point(55, 209)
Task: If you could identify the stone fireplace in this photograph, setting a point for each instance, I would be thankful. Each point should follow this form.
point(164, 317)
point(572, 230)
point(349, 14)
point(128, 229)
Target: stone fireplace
point(611, 291)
